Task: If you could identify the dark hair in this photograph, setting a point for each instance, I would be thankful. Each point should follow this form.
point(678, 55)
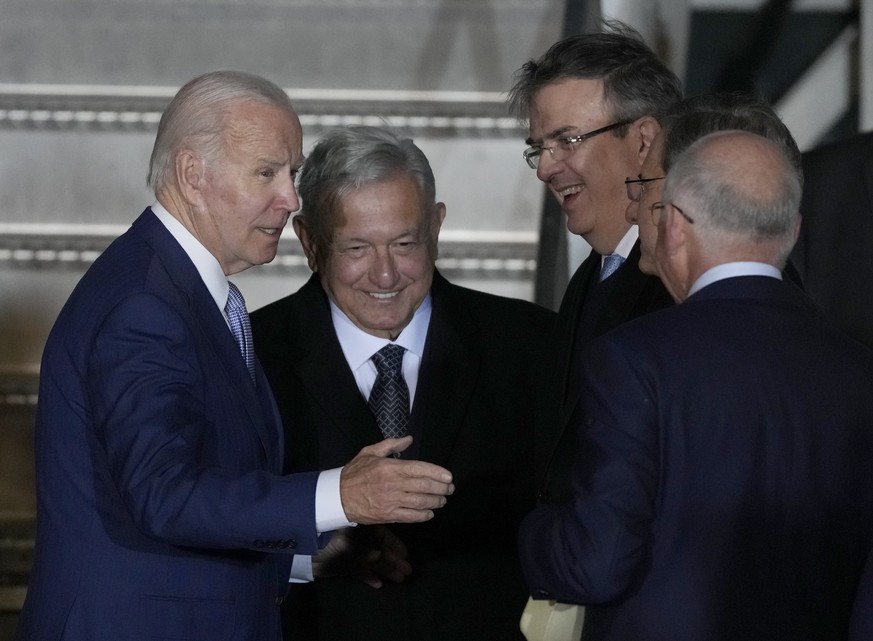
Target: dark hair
point(697, 116)
point(635, 82)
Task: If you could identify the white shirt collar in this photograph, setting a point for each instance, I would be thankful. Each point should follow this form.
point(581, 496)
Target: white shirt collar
point(731, 270)
point(625, 245)
point(206, 264)
point(358, 346)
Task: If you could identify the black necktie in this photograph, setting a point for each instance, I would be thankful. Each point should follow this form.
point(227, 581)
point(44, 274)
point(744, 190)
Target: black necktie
point(389, 398)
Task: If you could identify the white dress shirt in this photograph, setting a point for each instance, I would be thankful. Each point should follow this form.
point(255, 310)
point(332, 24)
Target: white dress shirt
point(358, 347)
point(625, 245)
point(731, 270)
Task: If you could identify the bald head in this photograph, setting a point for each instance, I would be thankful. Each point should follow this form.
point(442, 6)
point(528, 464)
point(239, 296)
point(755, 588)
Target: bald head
point(740, 184)
point(732, 196)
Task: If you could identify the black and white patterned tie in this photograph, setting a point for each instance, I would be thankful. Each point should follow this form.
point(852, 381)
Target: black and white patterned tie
point(238, 317)
point(389, 398)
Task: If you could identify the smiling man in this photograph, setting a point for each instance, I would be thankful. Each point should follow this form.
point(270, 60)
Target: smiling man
point(592, 103)
point(465, 365)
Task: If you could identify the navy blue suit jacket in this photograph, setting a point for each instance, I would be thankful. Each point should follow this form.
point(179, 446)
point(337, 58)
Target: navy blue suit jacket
point(473, 413)
point(722, 485)
point(589, 308)
point(158, 463)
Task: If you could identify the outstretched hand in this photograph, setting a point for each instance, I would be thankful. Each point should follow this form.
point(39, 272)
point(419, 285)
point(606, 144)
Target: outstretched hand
point(375, 488)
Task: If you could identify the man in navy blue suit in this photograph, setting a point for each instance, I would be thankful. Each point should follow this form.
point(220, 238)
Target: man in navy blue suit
point(721, 486)
point(162, 512)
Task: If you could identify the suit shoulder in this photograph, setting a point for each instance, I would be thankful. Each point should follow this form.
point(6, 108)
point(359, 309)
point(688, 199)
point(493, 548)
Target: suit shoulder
point(500, 305)
point(278, 308)
point(273, 319)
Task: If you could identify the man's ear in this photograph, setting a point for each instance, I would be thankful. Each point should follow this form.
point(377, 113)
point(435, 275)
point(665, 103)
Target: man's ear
point(646, 128)
point(433, 230)
point(439, 217)
point(675, 230)
point(310, 247)
point(190, 173)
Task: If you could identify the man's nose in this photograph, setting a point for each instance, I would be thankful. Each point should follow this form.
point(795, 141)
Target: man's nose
point(547, 166)
point(383, 270)
point(288, 198)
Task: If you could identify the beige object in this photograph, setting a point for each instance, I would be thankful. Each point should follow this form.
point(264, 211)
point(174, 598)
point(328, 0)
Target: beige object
point(544, 620)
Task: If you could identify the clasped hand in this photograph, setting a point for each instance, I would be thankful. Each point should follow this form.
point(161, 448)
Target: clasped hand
point(369, 553)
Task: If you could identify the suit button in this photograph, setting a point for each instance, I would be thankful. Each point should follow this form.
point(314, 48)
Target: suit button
point(280, 599)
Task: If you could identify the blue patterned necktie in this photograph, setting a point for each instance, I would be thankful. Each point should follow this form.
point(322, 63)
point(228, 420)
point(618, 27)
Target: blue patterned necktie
point(610, 264)
point(389, 398)
point(238, 316)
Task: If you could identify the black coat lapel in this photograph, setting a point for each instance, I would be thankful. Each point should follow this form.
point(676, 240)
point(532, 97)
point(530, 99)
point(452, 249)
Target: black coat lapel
point(449, 368)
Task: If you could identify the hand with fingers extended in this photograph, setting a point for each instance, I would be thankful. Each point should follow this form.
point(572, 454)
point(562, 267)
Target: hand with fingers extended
point(377, 488)
point(370, 553)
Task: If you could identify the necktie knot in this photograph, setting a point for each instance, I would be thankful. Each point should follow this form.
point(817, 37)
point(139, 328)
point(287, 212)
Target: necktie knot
point(389, 359)
point(238, 318)
point(610, 264)
point(389, 398)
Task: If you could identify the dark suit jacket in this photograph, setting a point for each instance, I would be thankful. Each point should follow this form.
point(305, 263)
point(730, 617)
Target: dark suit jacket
point(722, 489)
point(472, 413)
point(589, 309)
point(834, 253)
point(157, 462)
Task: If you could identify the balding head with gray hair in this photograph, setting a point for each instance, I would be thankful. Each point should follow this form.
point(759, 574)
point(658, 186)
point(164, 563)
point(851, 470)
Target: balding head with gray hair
point(741, 190)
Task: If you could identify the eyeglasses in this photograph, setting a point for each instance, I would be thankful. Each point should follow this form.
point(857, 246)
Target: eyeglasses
point(655, 210)
point(565, 145)
point(636, 186)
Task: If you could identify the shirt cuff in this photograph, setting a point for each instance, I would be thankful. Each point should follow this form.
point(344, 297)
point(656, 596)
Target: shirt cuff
point(301, 569)
point(329, 513)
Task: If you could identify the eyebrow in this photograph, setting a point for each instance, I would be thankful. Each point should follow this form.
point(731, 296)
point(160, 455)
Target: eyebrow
point(553, 134)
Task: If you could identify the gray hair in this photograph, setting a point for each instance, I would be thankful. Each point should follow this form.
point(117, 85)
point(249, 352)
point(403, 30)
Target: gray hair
point(698, 116)
point(347, 158)
point(758, 200)
point(635, 81)
point(196, 115)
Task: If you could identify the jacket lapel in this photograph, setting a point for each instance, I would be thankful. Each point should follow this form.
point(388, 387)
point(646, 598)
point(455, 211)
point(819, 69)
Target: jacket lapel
point(197, 304)
point(317, 358)
point(449, 368)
